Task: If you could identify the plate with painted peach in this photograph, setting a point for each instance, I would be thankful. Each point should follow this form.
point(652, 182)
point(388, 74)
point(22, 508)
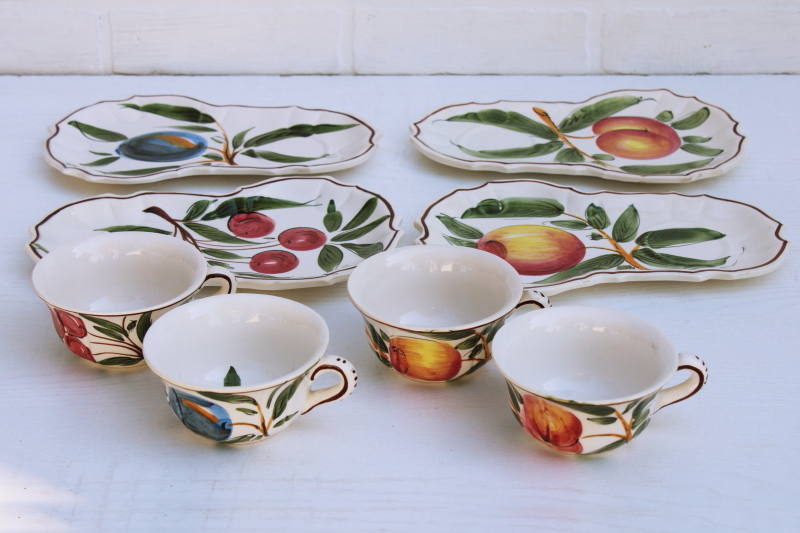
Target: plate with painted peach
point(648, 136)
point(559, 238)
point(284, 233)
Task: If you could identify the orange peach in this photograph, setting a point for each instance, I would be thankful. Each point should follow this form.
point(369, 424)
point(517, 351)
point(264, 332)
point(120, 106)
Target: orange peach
point(424, 359)
point(636, 137)
point(534, 250)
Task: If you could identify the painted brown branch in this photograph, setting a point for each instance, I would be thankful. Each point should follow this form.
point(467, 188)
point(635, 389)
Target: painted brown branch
point(226, 151)
point(625, 425)
point(566, 138)
point(617, 247)
point(185, 235)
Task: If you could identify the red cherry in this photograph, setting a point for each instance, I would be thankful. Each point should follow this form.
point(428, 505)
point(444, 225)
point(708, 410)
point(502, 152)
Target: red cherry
point(251, 225)
point(274, 262)
point(302, 239)
point(78, 348)
point(72, 325)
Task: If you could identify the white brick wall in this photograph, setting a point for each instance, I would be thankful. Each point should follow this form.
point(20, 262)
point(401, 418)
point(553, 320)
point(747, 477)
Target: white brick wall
point(399, 37)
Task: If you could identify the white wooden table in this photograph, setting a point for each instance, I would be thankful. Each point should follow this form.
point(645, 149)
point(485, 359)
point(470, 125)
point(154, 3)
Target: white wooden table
point(85, 449)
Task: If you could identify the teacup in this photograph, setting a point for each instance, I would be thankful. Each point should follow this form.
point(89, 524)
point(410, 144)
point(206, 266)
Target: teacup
point(239, 368)
point(586, 380)
point(105, 292)
point(431, 312)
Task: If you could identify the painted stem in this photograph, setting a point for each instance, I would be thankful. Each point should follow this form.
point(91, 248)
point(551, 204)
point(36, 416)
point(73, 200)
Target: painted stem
point(185, 235)
point(617, 247)
point(565, 138)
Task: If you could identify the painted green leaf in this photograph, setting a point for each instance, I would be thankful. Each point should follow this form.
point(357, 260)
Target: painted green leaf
point(596, 237)
point(513, 397)
point(517, 417)
point(109, 333)
point(570, 224)
point(603, 157)
point(693, 120)
point(569, 155)
point(283, 420)
point(472, 369)
point(298, 130)
point(175, 112)
point(229, 398)
point(238, 139)
point(242, 438)
point(673, 237)
point(515, 153)
point(704, 151)
point(630, 406)
point(641, 428)
point(585, 116)
point(200, 129)
point(363, 214)
point(382, 359)
point(251, 204)
point(626, 226)
point(284, 396)
point(665, 116)
point(384, 336)
point(359, 232)
point(626, 267)
point(142, 171)
point(213, 157)
point(658, 170)
point(475, 351)
point(272, 395)
point(613, 446)
point(101, 162)
point(332, 221)
point(120, 361)
point(246, 411)
point(458, 228)
point(514, 207)
point(232, 379)
point(107, 325)
point(376, 338)
point(602, 262)
point(515, 392)
point(589, 409)
point(460, 242)
point(197, 209)
point(280, 158)
point(214, 234)
point(492, 330)
point(508, 120)
point(695, 139)
point(99, 153)
point(447, 335)
point(330, 257)
point(597, 217)
point(143, 325)
point(40, 247)
point(131, 325)
point(604, 420)
point(651, 258)
point(364, 251)
point(469, 343)
point(221, 254)
point(219, 140)
point(638, 420)
point(220, 264)
point(97, 134)
point(115, 229)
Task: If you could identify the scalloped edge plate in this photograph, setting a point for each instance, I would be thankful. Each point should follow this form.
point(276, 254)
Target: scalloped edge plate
point(69, 148)
point(439, 139)
point(79, 220)
point(752, 238)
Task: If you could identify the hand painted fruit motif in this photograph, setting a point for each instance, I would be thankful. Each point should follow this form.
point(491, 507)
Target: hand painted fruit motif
point(636, 137)
point(302, 239)
point(163, 146)
point(274, 262)
point(71, 329)
point(251, 225)
point(201, 416)
point(424, 359)
point(551, 424)
point(534, 250)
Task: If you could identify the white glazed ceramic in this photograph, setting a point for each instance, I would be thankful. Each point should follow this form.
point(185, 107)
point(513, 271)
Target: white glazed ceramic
point(336, 226)
point(606, 237)
point(699, 140)
point(587, 380)
point(105, 292)
point(239, 368)
point(151, 138)
point(431, 312)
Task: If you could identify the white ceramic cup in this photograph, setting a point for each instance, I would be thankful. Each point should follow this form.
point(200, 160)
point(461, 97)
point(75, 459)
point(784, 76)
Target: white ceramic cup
point(239, 368)
point(104, 292)
point(587, 380)
point(431, 312)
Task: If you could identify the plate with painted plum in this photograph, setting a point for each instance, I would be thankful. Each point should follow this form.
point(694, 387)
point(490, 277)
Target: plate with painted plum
point(649, 136)
point(151, 138)
point(284, 233)
point(559, 238)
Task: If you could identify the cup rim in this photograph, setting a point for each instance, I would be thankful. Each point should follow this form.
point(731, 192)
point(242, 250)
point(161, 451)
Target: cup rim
point(200, 274)
point(654, 387)
point(318, 354)
point(505, 310)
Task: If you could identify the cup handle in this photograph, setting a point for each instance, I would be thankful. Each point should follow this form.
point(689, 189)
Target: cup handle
point(532, 297)
point(334, 393)
point(689, 387)
point(229, 281)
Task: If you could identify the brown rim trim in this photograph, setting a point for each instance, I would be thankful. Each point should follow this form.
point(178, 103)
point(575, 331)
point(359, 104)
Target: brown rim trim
point(513, 164)
point(701, 382)
point(392, 217)
point(371, 140)
point(226, 278)
point(426, 232)
point(345, 385)
point(530, 302)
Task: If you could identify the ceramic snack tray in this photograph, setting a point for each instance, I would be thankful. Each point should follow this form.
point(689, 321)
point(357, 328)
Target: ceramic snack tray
point(151, 138)
point(560, 239)
point(649, 136)
point(283, 233)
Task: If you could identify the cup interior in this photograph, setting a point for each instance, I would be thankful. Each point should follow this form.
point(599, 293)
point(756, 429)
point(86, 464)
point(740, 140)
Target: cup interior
point(584, 354)
point(262, 337)
point(119, 273)
point(434, 287)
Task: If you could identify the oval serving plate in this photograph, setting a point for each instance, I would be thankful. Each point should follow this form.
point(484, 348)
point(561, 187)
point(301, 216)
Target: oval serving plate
point(651, 136)
point(284, 233)
point(153, 138)
point(560, 239)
